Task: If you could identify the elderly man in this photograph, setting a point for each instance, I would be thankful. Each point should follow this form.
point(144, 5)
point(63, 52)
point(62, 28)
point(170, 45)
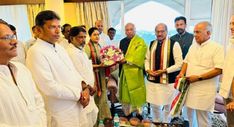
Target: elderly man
point(162, 63)
point(104, 39)
point(20, 102)
point(227, 86)
point(201, 67)
point(132, 87)
point(64, 90)
point(184, 38)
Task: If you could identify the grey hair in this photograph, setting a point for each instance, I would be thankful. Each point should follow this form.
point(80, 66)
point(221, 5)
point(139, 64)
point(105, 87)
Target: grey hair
point(208, 25)
point(163, 24)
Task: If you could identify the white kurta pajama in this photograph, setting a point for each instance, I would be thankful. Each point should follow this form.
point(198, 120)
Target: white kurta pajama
point(85, 67)
point(21, 105)
point(160, 94)
point(202, 59)
point(57, 78)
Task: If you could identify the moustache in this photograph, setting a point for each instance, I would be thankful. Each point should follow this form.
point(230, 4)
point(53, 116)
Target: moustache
point(14, 46)
point(180, 30)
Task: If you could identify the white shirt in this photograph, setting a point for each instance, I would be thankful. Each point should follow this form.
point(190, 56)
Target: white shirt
point(85, 67)
point(21, 105)
point(104, 40)
point(63, 42)
point(57, 78)
point(29, 43)
point(228, 72)
point(202, 59)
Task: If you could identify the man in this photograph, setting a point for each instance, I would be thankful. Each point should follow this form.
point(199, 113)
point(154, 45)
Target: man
point(132, 87)
point(111, 33)
point(163, 61)
point(184, 38)
point(227, 86)
point(201, 67)
point(21, 104)
point(30, 42)
point(63, 88)
point(21, 51)
point(104, 39)
point(84, 66)
point(65, 31)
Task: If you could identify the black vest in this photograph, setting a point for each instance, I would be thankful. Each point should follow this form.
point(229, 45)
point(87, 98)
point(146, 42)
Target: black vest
point(171, 76)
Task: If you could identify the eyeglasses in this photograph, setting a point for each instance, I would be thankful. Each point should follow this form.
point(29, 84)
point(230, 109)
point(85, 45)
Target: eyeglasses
point(8, 38)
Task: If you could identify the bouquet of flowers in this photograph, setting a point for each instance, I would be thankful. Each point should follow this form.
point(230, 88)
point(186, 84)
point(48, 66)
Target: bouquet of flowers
point(110, 55)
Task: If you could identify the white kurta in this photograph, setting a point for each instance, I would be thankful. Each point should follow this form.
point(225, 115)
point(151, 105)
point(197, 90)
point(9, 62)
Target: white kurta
point(201, 59)
point(57, 78)
point(21, 105)
point(162, 94)
point(63, 42)
point(84, 66)
point(228, 73)
point(104, 40)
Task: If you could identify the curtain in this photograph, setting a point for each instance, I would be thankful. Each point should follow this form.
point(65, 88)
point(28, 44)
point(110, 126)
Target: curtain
point(221, 13)
point(33, 10)
point(89, 12)
point(17, 16)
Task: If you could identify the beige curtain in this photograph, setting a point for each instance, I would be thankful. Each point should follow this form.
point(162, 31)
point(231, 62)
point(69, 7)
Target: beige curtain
point(33, 10)
point(89, 12)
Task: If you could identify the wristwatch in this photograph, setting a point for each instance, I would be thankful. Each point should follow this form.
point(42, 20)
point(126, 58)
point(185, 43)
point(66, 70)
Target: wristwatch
point(200, 78)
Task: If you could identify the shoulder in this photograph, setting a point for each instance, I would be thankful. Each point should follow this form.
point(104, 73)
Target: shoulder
point(20, 67)
point(173, 37)
point(189, 34)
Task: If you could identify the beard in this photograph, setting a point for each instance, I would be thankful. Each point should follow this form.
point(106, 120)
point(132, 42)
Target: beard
point(82, 44)
point(180, 30)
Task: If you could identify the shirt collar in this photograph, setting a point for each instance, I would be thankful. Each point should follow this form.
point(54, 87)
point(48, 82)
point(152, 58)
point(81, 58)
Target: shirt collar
point(204, 43)
point(47, 43)
point(4, 69)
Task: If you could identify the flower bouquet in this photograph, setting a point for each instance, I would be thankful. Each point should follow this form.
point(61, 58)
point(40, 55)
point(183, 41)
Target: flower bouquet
point(110, 55)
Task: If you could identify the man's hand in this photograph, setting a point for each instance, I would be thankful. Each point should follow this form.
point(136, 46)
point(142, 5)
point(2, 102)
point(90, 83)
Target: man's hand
point(230, 106)
point(123, 61)
point(160, 72)
point(92, 90)
point(84, 100)
point(193, 78)
point(180, 75)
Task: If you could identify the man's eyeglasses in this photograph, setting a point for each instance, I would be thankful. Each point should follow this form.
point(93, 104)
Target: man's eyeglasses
point(8, 38)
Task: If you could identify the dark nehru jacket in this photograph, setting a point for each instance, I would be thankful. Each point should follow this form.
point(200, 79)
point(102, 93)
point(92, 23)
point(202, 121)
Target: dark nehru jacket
point(185, 40)
point(171, 76)
point(124, 43)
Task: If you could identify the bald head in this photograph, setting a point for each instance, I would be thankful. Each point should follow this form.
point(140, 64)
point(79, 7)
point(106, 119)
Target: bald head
point(232, 26)
point(99, 25)
point(202, 31)
point(161, 31)
point(130, 30)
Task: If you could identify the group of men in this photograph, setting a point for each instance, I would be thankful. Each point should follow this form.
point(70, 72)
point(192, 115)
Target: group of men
point(67, 86)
